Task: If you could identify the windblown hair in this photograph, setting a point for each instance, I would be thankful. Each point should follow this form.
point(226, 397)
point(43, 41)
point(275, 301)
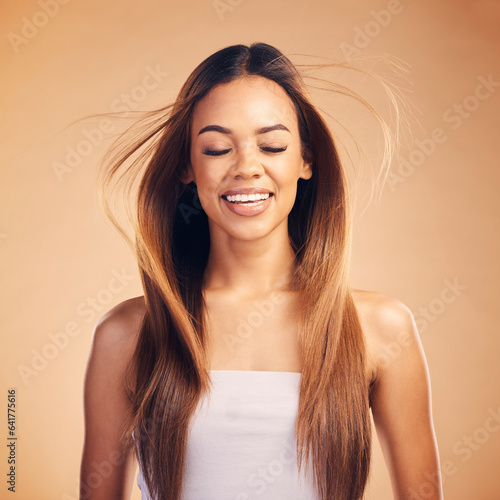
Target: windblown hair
point(172, 242)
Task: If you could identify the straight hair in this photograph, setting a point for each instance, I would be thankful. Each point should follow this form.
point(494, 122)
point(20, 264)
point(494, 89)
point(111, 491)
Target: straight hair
point(172, 243)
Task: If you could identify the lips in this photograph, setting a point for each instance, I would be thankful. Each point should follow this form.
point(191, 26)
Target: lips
point(247, 201)
point(247, 195)
point(247, 198)
point(249, 190)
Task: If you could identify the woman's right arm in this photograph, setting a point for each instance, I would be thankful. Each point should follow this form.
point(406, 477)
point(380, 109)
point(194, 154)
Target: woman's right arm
point(107, 473)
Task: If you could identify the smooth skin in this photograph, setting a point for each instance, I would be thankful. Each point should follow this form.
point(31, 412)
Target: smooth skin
point(249, 263)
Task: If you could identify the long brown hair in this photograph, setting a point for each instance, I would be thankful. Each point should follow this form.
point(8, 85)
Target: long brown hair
point(172, 242)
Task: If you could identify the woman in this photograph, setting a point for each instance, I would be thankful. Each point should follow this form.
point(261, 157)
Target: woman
point(249, 367)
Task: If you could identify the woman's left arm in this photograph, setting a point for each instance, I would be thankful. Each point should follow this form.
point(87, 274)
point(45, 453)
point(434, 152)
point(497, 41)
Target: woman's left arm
point(401, 406)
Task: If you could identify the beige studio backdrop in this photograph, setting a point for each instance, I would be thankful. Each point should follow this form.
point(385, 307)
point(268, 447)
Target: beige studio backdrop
point(432, 241)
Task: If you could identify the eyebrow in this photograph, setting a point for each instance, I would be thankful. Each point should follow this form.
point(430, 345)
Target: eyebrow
point(223, 130)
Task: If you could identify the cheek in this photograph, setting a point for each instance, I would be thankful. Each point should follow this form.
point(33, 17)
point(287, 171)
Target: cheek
point(286, 183)
point(290, 191)
point(207, 183)
point(288, 173)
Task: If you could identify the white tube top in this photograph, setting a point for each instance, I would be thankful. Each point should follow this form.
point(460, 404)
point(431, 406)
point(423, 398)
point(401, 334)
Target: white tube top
point(241, 444)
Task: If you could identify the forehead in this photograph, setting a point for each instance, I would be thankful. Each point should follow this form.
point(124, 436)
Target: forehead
point(257, 100)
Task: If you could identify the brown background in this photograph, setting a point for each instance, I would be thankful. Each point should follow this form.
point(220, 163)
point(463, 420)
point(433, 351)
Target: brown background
point(434, 230)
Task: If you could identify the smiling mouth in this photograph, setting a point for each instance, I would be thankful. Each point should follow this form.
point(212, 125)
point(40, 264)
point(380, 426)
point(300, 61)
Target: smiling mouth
point(249, 199)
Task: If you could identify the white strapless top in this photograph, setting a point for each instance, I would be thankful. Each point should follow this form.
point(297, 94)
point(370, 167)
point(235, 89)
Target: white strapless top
point(241, 444)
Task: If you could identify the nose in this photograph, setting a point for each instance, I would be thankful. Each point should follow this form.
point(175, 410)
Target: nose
point(247, 165)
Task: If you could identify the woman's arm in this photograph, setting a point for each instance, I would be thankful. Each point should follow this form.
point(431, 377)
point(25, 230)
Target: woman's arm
point(106, 472)
point(401, 404)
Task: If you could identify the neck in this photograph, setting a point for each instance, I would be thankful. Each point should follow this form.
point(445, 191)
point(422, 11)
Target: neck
point(250, 267)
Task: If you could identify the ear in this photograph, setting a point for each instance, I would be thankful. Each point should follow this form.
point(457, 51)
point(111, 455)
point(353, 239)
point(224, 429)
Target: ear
point(306, 166)
point(187, 175)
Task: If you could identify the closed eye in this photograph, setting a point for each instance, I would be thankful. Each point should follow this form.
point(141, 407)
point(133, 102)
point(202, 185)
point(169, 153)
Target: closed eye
point(220, 152)
point(273, 150)
point(215, 152)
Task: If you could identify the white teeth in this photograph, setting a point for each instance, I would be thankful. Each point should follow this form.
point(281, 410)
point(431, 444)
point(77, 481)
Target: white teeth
point(248, 197)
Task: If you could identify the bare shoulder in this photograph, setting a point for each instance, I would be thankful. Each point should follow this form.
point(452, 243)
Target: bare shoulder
point(107, 401)
point(400, 396)
point(120, 325)
point(382, 315)
point(116, 333)
point(388, 325)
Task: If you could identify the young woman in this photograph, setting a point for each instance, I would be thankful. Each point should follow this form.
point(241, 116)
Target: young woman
point(249, 367)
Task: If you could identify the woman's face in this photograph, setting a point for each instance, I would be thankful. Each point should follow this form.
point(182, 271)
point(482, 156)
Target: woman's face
point(246, 157)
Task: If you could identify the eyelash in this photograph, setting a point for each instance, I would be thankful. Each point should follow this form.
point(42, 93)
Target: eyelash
point(213, 152)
